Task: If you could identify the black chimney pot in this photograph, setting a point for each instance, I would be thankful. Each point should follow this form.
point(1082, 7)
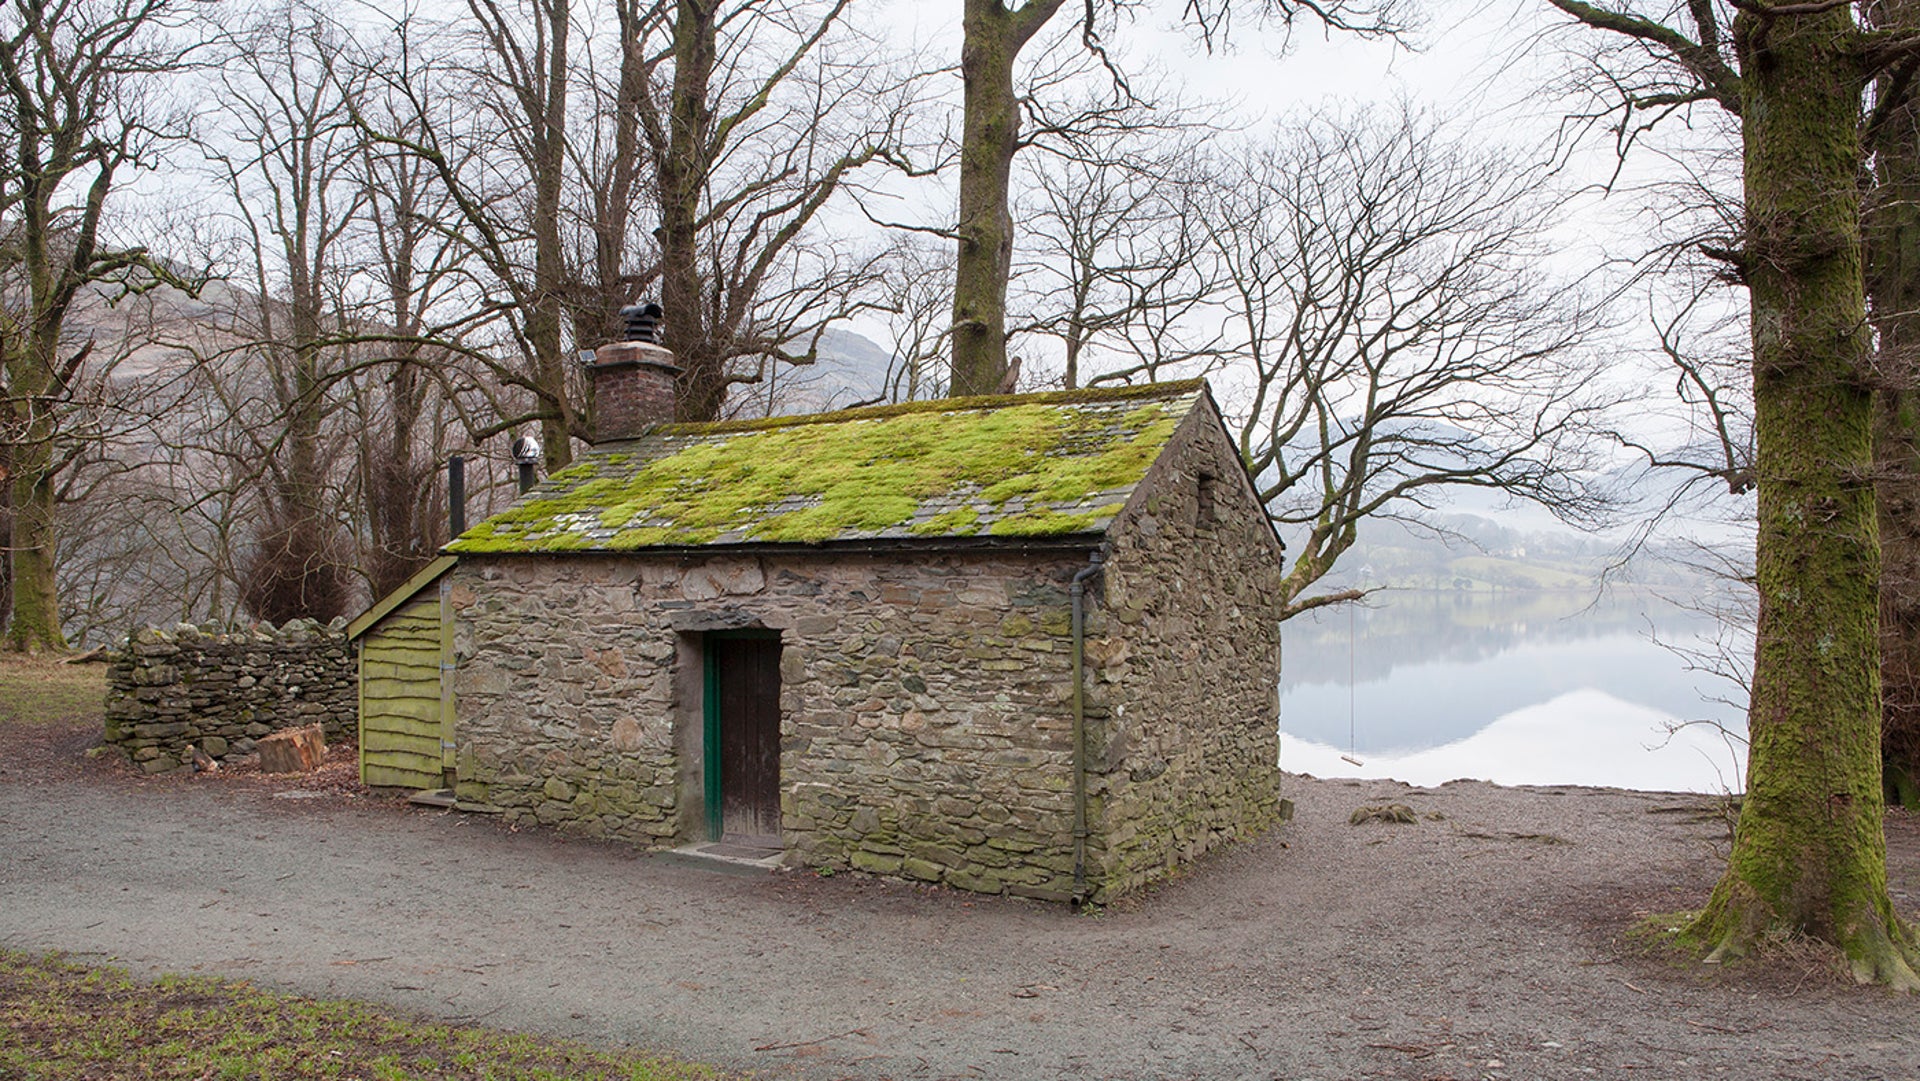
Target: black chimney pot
point(643, 322)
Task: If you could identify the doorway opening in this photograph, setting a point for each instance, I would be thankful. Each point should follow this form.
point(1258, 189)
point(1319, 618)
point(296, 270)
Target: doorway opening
point(742, 740)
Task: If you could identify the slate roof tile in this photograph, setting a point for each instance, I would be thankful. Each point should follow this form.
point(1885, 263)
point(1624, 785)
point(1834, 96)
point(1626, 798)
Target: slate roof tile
point(1013, 467)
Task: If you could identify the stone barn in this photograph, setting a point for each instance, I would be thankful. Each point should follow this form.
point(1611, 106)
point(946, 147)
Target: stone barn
point(1022, 644)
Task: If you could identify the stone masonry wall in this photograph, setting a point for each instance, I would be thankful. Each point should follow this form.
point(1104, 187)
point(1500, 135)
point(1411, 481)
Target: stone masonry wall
point(171, 690)
point(925, 703)
point(1184, 664)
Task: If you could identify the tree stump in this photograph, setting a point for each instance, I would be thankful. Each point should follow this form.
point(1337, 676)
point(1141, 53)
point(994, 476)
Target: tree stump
point(294, 750)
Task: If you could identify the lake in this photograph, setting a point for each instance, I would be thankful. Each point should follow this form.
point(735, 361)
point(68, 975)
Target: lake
point(1512, 687)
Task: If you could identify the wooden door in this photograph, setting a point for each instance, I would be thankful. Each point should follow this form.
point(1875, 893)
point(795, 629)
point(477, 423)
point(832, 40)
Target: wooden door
point(406, 694)
point(744, 738)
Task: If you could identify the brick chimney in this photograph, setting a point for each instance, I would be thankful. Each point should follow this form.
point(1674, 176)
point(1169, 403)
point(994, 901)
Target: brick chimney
point(633, 387)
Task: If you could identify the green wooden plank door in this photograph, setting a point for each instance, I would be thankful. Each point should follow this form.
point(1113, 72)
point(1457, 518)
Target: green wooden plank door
point(406, 694)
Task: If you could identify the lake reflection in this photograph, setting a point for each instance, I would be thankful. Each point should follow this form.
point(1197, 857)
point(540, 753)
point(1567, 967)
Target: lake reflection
point(1518, 688)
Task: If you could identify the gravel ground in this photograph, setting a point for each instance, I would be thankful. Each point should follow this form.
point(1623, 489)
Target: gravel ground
point(1489, 938)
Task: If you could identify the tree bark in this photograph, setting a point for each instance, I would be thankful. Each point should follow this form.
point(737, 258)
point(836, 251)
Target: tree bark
point(33, 389)
point(990, 135)
point(613, 189)
point(683, 173)
point(35, 624)
point(547, 125)
point(1893, 288)
point(1809, 854)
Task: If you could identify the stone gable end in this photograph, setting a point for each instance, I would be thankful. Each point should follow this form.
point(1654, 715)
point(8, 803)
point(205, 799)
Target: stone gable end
point(1183, 716)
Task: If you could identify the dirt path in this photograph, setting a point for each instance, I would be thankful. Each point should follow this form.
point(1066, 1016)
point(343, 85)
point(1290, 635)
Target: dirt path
point(1486, 943)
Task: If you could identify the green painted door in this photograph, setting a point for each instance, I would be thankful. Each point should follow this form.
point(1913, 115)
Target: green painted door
point(406, 694)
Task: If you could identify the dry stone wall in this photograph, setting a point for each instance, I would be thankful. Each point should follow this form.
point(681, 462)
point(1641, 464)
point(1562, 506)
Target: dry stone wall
point(170, 690)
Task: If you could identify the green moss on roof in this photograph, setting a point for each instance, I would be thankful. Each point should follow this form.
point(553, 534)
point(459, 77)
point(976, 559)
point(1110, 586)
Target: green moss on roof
point(1031, 465)
point(1095, 396)
point(958, 522)
point(1047, 522)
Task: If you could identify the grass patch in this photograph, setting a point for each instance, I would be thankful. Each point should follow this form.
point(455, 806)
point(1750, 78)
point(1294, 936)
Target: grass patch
point(68, 1021)
point(44, 692)
point(1665, 932)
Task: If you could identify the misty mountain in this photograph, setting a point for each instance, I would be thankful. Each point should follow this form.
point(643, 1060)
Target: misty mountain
point(851, 369)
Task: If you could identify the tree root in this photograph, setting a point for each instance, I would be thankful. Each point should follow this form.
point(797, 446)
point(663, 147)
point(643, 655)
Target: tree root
point(1875, 957)
point(1873, 954)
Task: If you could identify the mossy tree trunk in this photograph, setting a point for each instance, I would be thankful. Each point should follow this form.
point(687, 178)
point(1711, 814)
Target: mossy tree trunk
point(35, 619)
point(35, 393)
point(990, 135)
point(1893, 287)
point(1809, 853)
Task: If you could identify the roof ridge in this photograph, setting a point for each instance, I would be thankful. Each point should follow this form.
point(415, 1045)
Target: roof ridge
point(1090, 395)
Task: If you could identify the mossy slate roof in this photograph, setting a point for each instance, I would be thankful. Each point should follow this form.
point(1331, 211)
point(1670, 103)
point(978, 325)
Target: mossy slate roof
point(1016, 467)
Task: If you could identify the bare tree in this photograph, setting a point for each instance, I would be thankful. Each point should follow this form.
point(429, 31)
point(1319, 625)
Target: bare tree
point(612, 252)
point(772, 109)
point(1388, 332)
point(404, 406)
point(286, 151)
point(740, 122)
point(1112, 270)
point(108, 576)
point(484, 102)
point(1809, 851)
point(914, 290)
point(78, 105)
point(995, 109)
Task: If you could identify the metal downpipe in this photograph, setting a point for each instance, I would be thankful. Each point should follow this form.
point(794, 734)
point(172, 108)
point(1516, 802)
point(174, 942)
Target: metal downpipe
point(1077, 591)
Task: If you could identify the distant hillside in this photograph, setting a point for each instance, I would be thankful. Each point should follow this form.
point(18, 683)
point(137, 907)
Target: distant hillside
point(1474, 553)
point(851, 369)
point(1487, 539)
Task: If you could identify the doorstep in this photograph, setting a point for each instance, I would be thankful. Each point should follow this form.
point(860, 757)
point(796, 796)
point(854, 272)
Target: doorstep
point(726, 857)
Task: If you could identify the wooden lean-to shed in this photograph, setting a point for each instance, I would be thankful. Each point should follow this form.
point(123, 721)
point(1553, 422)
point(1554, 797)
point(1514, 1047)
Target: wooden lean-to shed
point(406, 683)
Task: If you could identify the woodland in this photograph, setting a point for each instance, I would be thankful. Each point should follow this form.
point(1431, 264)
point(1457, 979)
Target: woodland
point(266, 267)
